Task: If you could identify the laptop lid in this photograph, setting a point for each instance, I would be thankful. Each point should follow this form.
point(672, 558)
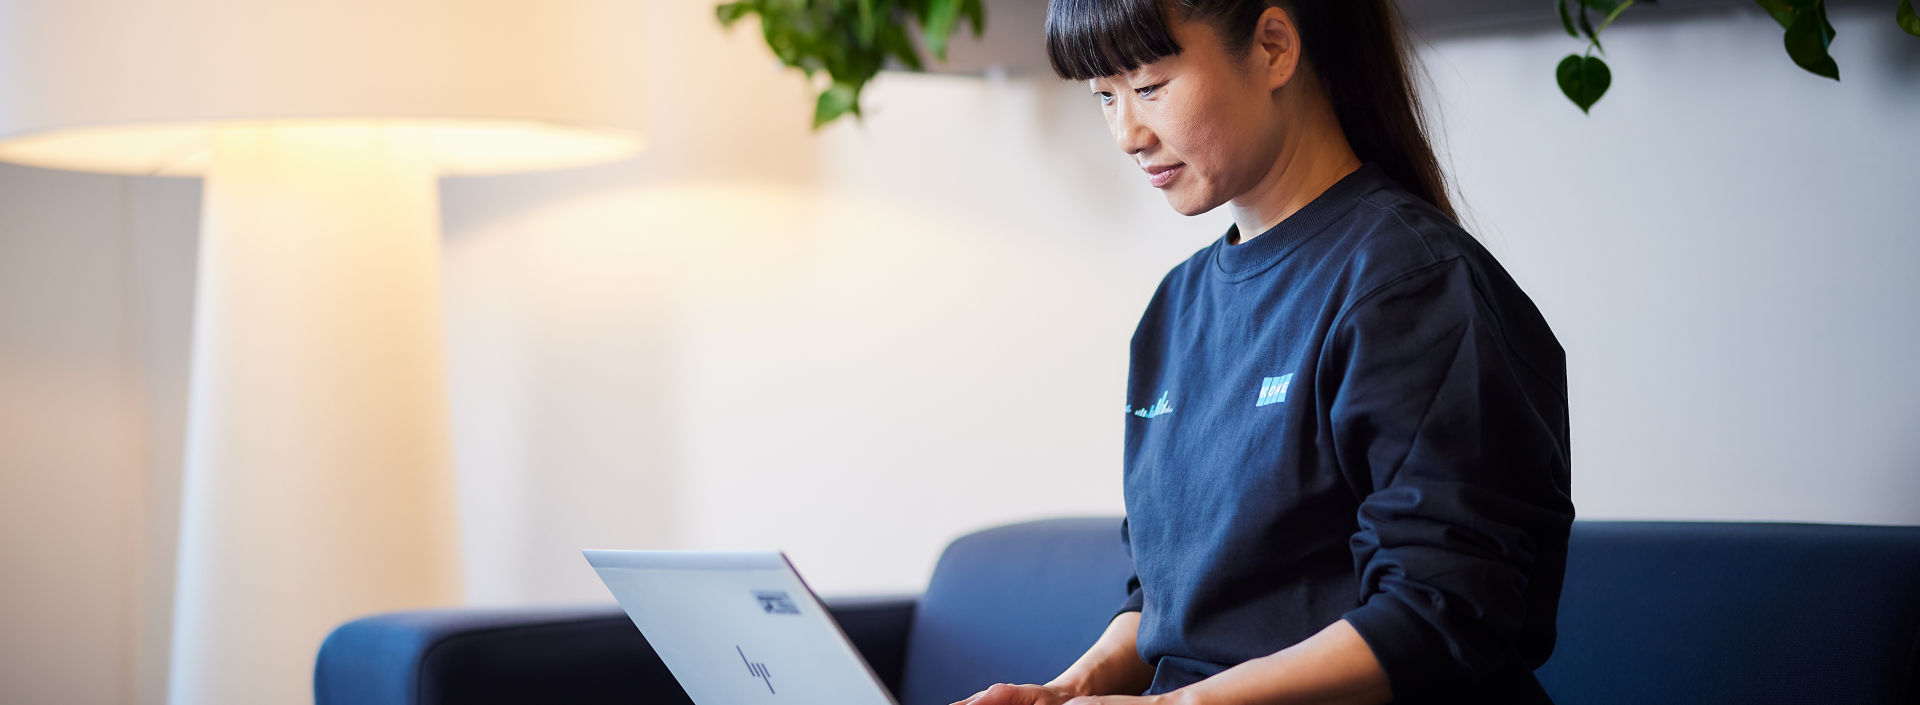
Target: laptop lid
point(737, 628)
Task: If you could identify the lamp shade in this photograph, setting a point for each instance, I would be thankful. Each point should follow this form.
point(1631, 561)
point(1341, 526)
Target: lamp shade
point(140, 86)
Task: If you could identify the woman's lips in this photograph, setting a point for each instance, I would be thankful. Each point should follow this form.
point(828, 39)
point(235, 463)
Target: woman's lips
point(1162, 178)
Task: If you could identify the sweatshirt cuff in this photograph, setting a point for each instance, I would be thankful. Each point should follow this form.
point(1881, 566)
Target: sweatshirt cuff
point(1136, 601)
point(1410, 650)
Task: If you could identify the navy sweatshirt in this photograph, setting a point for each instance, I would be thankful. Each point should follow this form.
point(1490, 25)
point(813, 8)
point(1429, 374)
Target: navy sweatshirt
point(1356, 415)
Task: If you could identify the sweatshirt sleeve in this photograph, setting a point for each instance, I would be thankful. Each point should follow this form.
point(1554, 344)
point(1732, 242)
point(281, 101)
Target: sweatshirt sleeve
point(1135, 600)
point(1457, 447)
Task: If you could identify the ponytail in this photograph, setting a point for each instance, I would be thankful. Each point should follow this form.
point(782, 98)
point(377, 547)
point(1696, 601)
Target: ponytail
point(1359, 50)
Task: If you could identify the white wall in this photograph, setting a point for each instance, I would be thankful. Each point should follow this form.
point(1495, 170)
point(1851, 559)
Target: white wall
point(926, 334)
point(1727, 248)
point(67, 439)
point(919, 332)
point(95, 303)
point(859, 344)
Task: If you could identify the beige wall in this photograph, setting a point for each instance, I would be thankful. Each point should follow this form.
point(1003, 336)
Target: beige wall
point(855, 346)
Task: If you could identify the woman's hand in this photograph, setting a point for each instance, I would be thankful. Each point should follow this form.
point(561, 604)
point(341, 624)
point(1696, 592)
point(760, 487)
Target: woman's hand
point(1112, 665)
point(1010, 694)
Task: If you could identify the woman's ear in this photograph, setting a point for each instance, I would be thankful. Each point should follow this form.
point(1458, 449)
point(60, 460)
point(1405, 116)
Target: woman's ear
point(1276, 53)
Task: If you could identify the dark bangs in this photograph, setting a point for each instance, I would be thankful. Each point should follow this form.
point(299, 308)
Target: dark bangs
point(1094, 38)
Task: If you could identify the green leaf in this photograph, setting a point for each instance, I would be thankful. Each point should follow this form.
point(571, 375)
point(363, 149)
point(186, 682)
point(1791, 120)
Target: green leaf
point(852, 40)
point(1604, 7)
point(869, 26)
point(730, 13)
point(1907, 19)
point(1566, 20)
point(894, 40)
point(941, 16)
point(1586, 27)
point(1612, 15)
point(780, 36)
point(1783, 11)
point(836, 101)
point(1807, 41)
point(1584, 79)
point(976, 13)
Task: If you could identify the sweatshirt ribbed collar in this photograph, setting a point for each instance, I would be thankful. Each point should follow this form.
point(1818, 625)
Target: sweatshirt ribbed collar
point(1242, 261)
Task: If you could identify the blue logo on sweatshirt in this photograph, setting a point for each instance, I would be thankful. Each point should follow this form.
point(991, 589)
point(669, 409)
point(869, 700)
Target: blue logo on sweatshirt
point(1159, 408)
point(1273, 390)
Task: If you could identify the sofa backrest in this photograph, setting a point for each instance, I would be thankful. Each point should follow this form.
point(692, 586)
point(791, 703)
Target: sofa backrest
point(1704, 612)
point(1668, 612)
point(1014, 603)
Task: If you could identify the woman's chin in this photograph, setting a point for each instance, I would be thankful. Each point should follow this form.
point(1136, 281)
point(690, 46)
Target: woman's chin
point(1186, 204)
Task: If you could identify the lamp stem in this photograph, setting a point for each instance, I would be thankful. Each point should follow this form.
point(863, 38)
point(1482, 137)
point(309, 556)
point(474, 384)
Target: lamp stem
point(318, 482)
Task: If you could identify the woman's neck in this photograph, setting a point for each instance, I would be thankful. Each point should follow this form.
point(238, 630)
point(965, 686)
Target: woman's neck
point(1314, 158)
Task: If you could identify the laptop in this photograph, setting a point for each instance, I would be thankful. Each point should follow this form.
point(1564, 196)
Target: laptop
point(738, 628)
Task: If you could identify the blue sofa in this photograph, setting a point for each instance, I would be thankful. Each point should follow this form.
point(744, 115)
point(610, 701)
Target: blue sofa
point(1652, 612)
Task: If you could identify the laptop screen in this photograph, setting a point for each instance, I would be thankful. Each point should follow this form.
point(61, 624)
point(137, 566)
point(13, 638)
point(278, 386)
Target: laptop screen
point(738, 628)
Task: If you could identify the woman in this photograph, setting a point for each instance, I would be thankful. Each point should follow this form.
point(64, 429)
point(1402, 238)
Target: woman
point(1346, 467)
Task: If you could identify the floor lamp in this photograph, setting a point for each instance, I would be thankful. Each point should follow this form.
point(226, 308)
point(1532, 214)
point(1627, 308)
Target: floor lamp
point(318, 484)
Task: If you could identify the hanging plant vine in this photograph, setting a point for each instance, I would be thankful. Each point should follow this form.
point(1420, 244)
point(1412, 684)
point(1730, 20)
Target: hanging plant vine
point(851, 39)
point(1584, 78)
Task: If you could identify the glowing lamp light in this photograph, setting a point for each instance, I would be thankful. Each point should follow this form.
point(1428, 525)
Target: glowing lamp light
point(318, 480)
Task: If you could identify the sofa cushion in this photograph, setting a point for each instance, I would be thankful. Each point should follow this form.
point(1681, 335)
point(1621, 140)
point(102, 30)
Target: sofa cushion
point(1016, 603)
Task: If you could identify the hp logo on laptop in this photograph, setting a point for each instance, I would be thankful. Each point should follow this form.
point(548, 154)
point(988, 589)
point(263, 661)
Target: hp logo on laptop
point(756, 669)
point(775, 602)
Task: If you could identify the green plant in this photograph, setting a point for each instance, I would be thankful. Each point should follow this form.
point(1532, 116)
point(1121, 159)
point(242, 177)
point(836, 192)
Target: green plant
point(1584, 78)
point(851, 39)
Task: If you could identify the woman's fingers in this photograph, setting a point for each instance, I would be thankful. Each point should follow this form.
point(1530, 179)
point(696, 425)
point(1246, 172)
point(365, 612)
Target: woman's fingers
point(1004, 694)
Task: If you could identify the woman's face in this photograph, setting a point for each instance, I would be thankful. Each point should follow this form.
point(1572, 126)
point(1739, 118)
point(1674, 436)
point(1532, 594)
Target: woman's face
point(1201, 123)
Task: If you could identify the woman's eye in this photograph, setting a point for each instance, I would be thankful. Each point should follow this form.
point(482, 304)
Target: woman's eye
point(1144, 91)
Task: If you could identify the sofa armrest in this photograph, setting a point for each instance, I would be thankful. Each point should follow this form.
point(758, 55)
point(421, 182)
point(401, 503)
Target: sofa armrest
point(549, 655)
point(481, 656)
point(878, 627)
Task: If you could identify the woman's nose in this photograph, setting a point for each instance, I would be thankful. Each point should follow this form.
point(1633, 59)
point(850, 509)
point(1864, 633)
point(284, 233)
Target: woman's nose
point(1128, 132)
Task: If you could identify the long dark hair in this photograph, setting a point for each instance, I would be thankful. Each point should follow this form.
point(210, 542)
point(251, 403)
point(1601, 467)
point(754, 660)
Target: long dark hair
point(1357, 48)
